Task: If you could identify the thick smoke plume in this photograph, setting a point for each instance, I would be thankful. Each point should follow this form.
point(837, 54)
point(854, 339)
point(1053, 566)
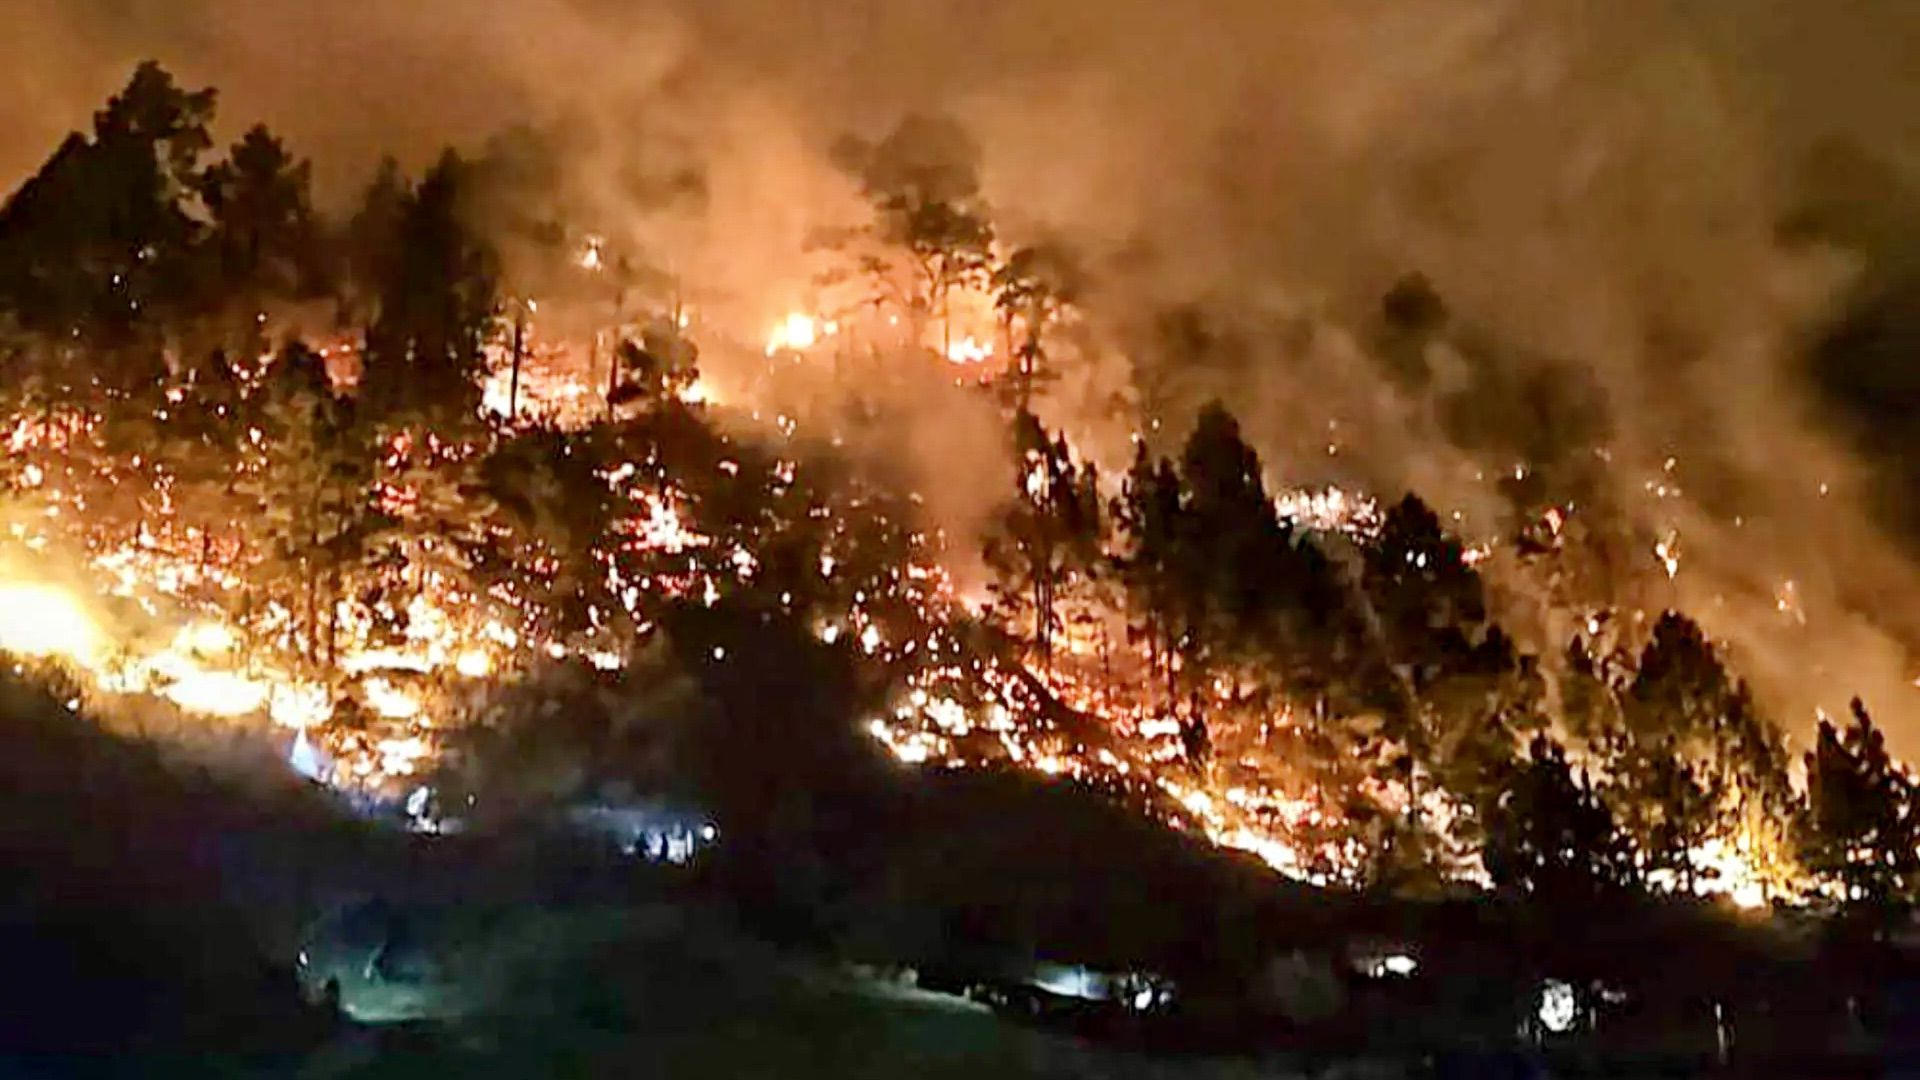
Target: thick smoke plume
point(1629, 243)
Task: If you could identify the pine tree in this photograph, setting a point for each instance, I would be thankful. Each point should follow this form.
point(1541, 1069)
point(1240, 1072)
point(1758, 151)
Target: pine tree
point(99, 246)
point(1550, 835)
point(1457, 698)
point(372, 244)
point(1863, 819)
point(1031, 288)
point(437, 307)
point(265, 236)
point(1051, 532)
point(1230, 547)
point(923, 181)
point(311, 489)
point(1149, 513)
point(1691, 751)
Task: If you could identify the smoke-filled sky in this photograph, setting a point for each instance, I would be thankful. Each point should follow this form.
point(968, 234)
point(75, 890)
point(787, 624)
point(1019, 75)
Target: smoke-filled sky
point(1659, 229)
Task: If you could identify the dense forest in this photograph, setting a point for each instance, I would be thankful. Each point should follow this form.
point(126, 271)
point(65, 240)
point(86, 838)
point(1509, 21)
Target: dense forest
point(440, 482)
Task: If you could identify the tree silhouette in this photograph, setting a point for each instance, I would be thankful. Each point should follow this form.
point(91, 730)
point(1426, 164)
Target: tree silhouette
point(1149, 514)
point(265, 237)
point(1690, 749)
point(1862, 828)
point(1550, 835)
point(1050, 533)
point(311, 494)
point(659, 366)
point(923, 180)
point(1031, 288)
point(437, 305)
point(99, 245)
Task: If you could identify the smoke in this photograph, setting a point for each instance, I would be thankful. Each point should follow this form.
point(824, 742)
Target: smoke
point(1610, 200)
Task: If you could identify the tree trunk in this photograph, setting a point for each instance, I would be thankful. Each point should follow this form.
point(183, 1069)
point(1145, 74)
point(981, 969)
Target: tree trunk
point(311, 642)
point(311, 571)
point(1153, 651)
point(613, 355)
point(519, 350)
point(1173, 689)
point(593, 364)
point(613, 377)
point(333, 620)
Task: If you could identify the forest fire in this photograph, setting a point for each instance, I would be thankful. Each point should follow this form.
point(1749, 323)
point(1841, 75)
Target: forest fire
point(1104, 539)
point(1095, 707)
point(374, 540)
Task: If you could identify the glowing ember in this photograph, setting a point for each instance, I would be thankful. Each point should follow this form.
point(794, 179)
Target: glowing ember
point(1667, 550)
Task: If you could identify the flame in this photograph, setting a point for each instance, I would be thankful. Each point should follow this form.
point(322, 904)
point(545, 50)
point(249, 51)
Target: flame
point(969, 350)
point(1331, 510)
point(390, 701)
point(959, 705)
point(47, 622)
point(798, 332)
point(207, 638)
point(299, 707)
point(216, 693)
point(699, 392)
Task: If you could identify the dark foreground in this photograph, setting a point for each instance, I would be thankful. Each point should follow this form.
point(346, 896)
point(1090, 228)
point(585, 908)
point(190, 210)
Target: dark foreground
point(152, 916)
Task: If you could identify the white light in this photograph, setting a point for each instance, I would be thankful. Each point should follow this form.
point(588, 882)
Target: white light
point(1400, 965)
point(1556, 1010)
